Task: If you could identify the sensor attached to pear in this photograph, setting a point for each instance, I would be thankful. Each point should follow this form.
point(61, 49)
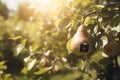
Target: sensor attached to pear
point(84, 47)
point(80, 43)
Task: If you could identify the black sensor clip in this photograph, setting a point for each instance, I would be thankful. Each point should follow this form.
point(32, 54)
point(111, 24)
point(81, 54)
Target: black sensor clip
point(84, 47)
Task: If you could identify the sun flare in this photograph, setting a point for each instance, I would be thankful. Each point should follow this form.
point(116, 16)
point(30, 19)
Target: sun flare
point(47, 8)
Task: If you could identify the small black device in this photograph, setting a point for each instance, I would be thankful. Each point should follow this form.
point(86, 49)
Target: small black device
point(84, 47)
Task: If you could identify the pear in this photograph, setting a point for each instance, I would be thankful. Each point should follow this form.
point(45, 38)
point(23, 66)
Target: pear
point(56, 69)
point(44, 62)
point(80, 40)
point(112, 48)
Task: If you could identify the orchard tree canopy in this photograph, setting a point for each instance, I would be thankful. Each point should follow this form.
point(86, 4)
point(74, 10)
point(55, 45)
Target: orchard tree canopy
point(54, 39)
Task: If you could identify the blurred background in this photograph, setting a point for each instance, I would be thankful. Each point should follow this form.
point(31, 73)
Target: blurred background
point(35, 34)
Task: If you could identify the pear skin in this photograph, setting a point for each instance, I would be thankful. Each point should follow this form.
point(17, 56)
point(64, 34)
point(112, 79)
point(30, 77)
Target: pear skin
point(81, 36)
point(112, 48)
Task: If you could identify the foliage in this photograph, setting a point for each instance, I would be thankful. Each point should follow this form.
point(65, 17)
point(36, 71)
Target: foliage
point(32, 44)
point(3, 10)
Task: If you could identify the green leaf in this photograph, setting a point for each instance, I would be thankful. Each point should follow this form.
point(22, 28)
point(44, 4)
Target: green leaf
point(2, 63)
point(31, 64)
point(16, 38)
point(97, 7)
point(99, 44)
point(115, 21)
point(42, 71)
point(97, 56)
point(68, 46)
point(113, 33)
point(35, 47)
point(64, 23)
point(24, 70)
point(23, 42)
point(19, 48)
point(3, 67)
point(7, 77)
point(105, 40)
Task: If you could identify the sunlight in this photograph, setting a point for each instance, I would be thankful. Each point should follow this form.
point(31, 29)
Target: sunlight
point(48, 8)
point(44, 2)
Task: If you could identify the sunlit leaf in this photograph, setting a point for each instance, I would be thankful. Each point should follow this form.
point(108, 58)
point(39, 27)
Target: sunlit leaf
point(2, 62)
point(118, 60)
point(87, 20)
point(3, 67)
point(7, 76)
point(104, 55)
point(105, 40)
point(24, 70)
point(97, 7)
point(68, 46)
point(99, 44)
point(31, 64)
point(16, 38)
point(19, 49)
point(26, 59)
point(115, 21)
point(97, 56)
point(47, 53)
point(64, 59)
point(35, 47)
point(64, 23)
point(23, 42)
point(42, 70)
point(55, 34)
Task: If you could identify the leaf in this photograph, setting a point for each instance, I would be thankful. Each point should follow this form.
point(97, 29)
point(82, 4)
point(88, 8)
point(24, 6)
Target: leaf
point(68, 46)
point(99, 44)
point(31, 64)
point(47, 53)
point(97, 56)
point(26, 59)
point(64, 23)
point(2, 63)
point(19, 48)
point(42, 71)
point(35, 47)
point(87, 20)
point(16, 38)
point(115, 21)
point(105, 40)
point(3, 67)
point(7, 77)
point(97, 7)
point(24, 70)
point(23, 42)
point(113, 33)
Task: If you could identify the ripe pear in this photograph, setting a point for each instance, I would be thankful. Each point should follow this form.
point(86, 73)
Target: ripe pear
point(112, 48)
point(80, 38)
point(44, 62)
point(56, 69)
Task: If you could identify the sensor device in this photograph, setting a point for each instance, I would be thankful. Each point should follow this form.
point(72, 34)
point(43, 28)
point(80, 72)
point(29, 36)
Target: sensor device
point(84, 47)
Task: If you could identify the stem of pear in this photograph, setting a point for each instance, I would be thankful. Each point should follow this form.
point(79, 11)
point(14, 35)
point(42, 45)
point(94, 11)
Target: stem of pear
point(93, 12)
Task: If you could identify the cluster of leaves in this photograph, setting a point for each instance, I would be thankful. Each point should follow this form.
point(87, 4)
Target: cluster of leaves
point(34, 48)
